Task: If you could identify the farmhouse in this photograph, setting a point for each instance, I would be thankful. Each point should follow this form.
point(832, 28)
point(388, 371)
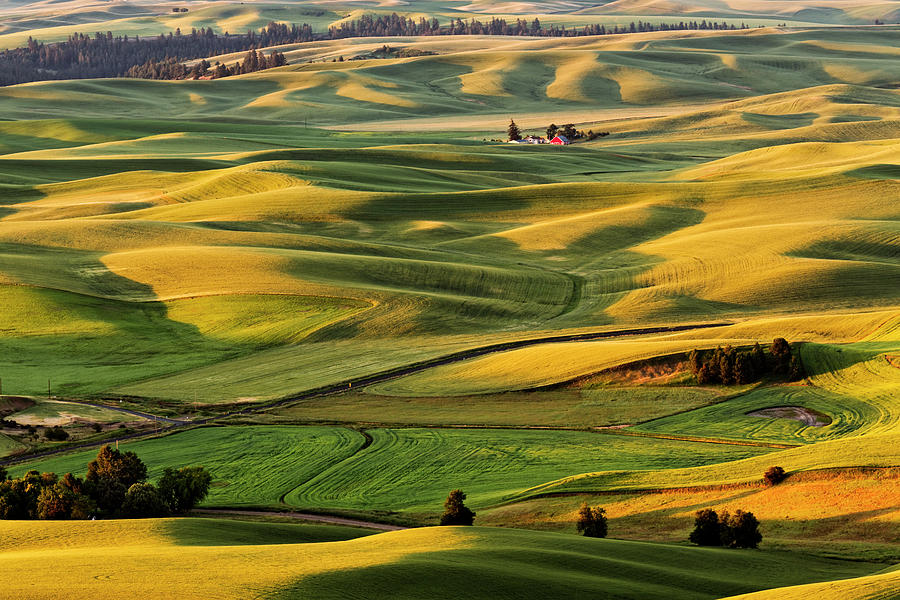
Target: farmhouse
point(529, 139)
point(560, 140)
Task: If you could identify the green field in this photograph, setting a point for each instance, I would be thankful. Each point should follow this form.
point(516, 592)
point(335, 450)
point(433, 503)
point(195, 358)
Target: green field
point(594, 407)
point(251, 465)
point(402, 469)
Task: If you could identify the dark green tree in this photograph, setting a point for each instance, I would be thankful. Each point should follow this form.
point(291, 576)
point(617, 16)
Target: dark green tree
point(110, 476)
point(144, 500)
point(740, 530)
point(796, 372)
point(780, 351)
point(759, 358)
point(59, 501)
point(513, 132)
point(591, 521)
point(706, 528)
point(56, 434)
point(551, 131)
point(707, 375)
point(182, 489)
point(569, 131)
point(455, 512)
point(743, 368)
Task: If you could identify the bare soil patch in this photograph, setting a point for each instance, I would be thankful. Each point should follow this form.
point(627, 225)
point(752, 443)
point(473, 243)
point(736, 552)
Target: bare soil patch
point(806, 416)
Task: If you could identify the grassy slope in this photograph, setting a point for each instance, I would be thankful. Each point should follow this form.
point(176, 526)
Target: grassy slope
point(403, 469)
point(561, 408)
point(679, 217)
point(413, 469)
point(843, 513)
point(86, 561)
point(250, 465)
point(880, 586)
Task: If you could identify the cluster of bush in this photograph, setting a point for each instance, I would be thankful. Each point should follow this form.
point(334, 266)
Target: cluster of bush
point(729, 366)
point(569, 131)
point(738, 530)
point(54, 434)
point(115, 485)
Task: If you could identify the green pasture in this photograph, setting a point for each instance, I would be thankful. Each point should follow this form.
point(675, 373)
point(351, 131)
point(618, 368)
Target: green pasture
point(86, 344)
point(854, 385)
point(593, 407)
point(500, 563)
point(870, 450)
point(250, 465)
point(403, 469)
point(572, 74)
point(413, 469)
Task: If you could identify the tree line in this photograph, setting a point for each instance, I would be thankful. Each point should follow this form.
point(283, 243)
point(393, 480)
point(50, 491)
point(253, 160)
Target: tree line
point(115, 486)
point(171, 68)
point(399, 25)
point(729, 366)
point(104, 55)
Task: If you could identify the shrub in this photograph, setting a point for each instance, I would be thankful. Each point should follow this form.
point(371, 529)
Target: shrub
point(774, 475)
point(455, 512)
point(706, 528)
point(56, 434)
point(591, 521)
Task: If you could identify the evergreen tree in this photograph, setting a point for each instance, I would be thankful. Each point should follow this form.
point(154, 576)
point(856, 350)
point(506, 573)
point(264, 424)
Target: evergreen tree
point(513, 132)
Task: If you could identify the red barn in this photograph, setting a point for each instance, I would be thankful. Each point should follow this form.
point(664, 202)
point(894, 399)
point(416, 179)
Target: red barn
point(560, 140)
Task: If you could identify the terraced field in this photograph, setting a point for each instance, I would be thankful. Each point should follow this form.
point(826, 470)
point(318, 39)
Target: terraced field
point(217, 251)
